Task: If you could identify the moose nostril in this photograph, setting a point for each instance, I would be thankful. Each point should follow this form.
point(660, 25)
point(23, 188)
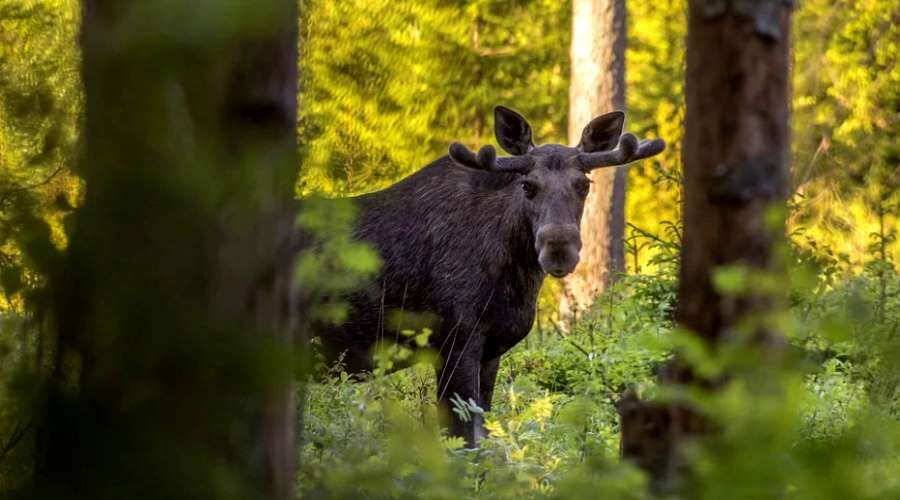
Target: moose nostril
point(558, 260)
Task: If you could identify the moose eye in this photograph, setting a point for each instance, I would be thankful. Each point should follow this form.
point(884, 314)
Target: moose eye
point(582, 187)
point(529, 188)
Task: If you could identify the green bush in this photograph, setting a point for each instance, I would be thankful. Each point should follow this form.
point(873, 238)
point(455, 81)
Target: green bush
point(819, 423)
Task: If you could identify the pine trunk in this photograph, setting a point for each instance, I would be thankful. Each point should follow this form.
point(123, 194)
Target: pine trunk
point(597, 86)
point(735, 168)
point(171, 310)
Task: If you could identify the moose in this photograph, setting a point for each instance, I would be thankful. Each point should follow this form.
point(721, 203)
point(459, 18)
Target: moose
point(469, 240)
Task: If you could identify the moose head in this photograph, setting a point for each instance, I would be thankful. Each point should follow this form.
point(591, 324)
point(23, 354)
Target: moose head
point(552, 182)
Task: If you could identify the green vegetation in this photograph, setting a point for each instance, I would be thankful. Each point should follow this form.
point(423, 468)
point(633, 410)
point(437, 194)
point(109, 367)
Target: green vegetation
point(822, 423)
point(385, 86)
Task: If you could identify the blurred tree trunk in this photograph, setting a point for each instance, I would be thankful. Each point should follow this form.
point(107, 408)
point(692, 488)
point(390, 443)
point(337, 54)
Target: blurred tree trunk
point(171, 308)
point(735, 168)
point(597, 86)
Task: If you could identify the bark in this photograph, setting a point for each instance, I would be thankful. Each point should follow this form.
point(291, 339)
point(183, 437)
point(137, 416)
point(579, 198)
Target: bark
point(735, 160)
point(172, 373)
point(597, 86)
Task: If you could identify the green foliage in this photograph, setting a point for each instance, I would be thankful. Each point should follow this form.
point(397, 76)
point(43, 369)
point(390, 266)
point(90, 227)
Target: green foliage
point(812, 420)
point(40, 105)
point(846, 117)
point(553, 424)
point(655, 101)
point(334, 263)
point(818, 421)
point(388, 85)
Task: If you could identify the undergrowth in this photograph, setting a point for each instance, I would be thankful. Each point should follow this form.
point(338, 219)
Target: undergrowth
point(823, 424)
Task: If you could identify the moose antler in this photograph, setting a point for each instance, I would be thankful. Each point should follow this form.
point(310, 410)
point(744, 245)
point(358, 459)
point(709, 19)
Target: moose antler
point(486, 159)
point(629, 150)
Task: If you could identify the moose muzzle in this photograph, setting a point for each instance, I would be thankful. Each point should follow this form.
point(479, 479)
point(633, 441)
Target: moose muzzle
point(557, 246)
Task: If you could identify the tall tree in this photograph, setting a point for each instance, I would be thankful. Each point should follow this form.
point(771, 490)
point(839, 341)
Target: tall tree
point(172, 367)
point(597, 86)
point(846, 111)
point(388, 84)
point(736, 154)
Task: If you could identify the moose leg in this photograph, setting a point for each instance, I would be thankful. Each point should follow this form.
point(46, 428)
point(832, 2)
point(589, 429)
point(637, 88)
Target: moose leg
point(459, 374)
point(488, 378)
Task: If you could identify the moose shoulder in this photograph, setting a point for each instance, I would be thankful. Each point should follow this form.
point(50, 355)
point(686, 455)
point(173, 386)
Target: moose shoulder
point(468, 240)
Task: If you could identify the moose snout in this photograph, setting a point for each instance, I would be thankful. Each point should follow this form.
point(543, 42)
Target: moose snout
point(557, 246)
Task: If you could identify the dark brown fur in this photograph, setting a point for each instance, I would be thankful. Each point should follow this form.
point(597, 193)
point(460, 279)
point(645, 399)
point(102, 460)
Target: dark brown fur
point(471, 247)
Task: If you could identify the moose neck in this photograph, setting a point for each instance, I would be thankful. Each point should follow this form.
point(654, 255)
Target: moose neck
point(516, 276)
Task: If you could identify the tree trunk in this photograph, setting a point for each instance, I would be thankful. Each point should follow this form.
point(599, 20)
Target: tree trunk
point(735, 168)
point(172, 372)
point(597, 86)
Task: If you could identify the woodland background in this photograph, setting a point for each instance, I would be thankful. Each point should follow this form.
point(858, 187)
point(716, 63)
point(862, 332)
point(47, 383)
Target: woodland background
point(384, 87)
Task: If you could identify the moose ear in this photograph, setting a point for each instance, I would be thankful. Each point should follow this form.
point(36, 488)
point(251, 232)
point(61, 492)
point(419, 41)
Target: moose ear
point(603, 133)
point(512, 131)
